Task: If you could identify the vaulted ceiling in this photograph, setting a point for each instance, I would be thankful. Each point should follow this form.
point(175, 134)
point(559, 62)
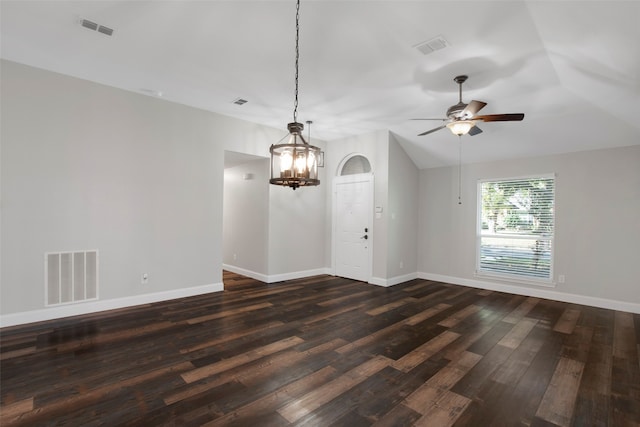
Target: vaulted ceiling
point(573, 67)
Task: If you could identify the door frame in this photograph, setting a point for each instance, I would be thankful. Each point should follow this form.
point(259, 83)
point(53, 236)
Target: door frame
point(352, 179)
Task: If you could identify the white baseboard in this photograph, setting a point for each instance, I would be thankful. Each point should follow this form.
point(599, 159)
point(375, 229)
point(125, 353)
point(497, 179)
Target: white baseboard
point(298, 275)
point(538, 293)
point(378, 281)
point(393, 280)
point(239, 270)
point(97, 306)
point(276, 277)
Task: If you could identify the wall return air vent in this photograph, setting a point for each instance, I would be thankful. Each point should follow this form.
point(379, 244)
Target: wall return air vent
point(70, 277)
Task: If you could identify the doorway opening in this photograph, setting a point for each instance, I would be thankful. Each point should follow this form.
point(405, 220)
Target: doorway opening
point(245, 214)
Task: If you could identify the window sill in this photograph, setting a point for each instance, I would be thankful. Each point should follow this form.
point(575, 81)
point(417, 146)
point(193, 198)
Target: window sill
point(516, 279)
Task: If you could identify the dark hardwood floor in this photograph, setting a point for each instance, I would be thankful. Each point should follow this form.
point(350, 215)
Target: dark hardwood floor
point(327, 351)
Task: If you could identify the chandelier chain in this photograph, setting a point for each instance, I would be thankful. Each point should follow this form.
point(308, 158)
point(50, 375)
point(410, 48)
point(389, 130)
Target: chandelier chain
point(295, 104)
point(295, 164)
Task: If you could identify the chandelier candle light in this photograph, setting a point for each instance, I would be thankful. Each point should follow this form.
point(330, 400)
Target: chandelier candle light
point(295, 163)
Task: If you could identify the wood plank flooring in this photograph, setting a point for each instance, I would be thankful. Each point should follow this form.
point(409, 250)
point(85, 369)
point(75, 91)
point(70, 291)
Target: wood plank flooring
point(327, 351)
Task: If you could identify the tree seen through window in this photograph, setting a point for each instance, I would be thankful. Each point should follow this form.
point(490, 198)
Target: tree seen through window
point(516, 225)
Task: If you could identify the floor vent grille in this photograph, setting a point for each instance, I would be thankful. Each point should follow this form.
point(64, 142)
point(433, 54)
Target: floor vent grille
point(71, 277)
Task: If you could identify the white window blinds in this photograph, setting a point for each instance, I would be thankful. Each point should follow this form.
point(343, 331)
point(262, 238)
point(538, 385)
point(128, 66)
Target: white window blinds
point(515, 228)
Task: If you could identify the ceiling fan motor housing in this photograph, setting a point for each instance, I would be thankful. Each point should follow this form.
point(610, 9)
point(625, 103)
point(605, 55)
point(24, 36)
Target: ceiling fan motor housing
point(455, 111)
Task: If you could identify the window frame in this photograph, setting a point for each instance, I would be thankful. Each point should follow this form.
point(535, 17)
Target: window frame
point(512, 277)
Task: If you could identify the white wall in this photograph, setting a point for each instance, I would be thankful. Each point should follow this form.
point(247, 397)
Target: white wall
point(597, 228)
point(245, 234)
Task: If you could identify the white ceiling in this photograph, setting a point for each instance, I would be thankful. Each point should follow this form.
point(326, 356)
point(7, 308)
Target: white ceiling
point(573, 67)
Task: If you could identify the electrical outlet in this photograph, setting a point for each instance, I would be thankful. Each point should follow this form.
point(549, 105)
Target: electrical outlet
point(235, 257)
point(561, 278)
point(401, 264)
point(145, 278)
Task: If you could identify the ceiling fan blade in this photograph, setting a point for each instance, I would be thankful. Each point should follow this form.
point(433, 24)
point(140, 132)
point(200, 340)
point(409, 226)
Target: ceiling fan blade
point(475, 130)
point(442, 120)
point(432, 130)
point(516, 117)
point(472, 108)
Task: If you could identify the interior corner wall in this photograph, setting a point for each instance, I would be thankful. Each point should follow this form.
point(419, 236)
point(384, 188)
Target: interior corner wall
point(402, 217)
point(245, 234)
point(596, 232)
point(297, 225)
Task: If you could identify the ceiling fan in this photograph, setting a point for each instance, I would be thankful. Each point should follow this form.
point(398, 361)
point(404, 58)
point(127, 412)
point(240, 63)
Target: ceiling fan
point(462, 117)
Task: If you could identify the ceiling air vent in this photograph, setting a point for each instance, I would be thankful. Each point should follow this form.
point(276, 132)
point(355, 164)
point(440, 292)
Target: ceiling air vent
point(96, 27)
point(432, 45)
point(88, 24)
point(105, 30)
point(240, 101)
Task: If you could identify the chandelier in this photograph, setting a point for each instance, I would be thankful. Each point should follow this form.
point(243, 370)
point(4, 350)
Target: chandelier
point(295, 163)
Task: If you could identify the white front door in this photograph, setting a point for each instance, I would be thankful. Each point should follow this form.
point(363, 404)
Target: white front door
point(352, 225)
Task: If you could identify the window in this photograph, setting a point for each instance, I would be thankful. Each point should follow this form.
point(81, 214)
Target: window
point(355, 165)
point(515, 228)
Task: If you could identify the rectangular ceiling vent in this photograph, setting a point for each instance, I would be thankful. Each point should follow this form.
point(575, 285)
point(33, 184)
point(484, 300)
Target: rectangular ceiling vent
point(88, 24)
point(240, 101)
point(432, 45)
point(96, 27)
point(105, 30)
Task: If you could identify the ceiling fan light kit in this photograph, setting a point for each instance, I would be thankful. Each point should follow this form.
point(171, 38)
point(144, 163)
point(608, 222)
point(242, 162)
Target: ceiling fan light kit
point(295, 163)
point(461, 127)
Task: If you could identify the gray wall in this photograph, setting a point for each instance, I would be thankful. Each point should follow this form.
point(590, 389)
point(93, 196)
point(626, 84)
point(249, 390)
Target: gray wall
point(296, 231)
point(402, 218)
point(597, 226)
point(375, 147)
point(272, 233)
point(86, 166)
point(396, 192)
point(245, 232)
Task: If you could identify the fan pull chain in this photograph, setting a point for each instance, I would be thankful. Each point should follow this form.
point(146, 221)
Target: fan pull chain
point(459, 169)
